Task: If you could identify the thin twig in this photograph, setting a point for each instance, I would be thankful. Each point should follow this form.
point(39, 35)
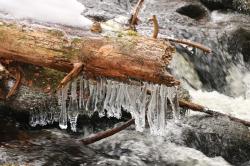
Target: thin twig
point(72, 74)
point(134, 16)
point(200, 108)
point(12, 91)
point(190, 43)
point(107, 133)
point(156, 26)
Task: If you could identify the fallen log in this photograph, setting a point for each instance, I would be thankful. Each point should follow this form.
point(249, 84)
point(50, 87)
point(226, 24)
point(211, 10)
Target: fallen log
point(120, 58)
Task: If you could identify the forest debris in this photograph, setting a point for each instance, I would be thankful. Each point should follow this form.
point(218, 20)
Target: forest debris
point(133, 21)
point(96, 27)
point(104, 134)
point(16, 85)
point(3, 71)
point(72, 74)
point(200, 108)
point(190, 43)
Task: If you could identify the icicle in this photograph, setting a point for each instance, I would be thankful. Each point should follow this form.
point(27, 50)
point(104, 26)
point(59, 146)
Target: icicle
point(115, 107)
point(85, 95)
point(118, 101)
point(138, 108)
point(90, 104)
point(63, 95)
point(109, 95)
point(100, 96)
point(73, 110)
point(156, 110)
point(173, 99)
point(125, 99)
point(81, 102)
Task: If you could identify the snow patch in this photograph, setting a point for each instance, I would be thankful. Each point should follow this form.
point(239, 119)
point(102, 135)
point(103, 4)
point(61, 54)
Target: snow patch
point(65, 12)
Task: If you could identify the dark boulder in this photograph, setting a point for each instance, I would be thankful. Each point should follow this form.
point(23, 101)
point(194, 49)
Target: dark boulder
point(242, 6)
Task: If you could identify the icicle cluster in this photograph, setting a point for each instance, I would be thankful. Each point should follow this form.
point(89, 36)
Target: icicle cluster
point(107, 97)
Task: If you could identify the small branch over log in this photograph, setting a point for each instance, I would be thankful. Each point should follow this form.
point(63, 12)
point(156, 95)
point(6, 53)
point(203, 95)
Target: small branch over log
point(190, 43)
point(200, 108)
point(16, 85)
point(134, 16)
point(107, 133)
point(73, 73)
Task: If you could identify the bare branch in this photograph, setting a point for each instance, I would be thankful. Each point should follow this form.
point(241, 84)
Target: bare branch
point(107, 133)
point(200, 108)
point(16, 85)
point(190, 43)
point(156, 26)
point(72, 74)
point(134, 16)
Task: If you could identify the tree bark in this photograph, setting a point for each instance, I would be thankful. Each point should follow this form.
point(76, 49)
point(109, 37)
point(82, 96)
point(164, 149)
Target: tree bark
point(120, 58)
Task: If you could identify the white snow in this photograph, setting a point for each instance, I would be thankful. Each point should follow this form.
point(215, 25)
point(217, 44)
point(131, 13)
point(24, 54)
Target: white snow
point(65, 12)
point(238, 107)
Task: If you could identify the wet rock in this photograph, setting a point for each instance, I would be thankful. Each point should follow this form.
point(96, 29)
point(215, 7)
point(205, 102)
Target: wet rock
point(242, 6)
point(179, 65)
point(239, 44)
point(27, 99)
point(193, 11)
point(218, 136)
point(129, 147)
point(246, 163)
point(103, 10)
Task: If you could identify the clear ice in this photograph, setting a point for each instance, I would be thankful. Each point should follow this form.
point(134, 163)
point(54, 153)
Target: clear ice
point(146, 102)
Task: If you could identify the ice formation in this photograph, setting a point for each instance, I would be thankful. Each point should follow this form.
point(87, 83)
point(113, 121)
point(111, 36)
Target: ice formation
point(153, 102)
point(108, 97)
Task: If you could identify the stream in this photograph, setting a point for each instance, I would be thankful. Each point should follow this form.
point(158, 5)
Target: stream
point(219, 81)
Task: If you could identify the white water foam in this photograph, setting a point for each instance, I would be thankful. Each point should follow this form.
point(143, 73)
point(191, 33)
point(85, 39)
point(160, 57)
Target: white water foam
point(238, 107)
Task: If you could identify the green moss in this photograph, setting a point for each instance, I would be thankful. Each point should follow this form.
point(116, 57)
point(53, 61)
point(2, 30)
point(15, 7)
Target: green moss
point(55, 32)
point(76, 41)
point(132, 33)
point(127, 33)
point(42, 77)
point(52, 77)
point(125, 43)
point(11, 25)
point(120, 34)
